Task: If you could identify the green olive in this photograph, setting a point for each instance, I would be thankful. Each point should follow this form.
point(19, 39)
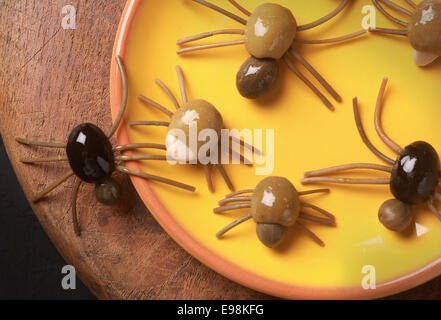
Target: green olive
point(270, 31)
point(270, 234)
point(108, 191)
point(256, 77)
point(200, 113)
point(275, 201)
point(424, 27)
point(395, 215)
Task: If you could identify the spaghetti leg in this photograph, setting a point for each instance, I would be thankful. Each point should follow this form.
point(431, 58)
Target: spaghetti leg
point(311, 234)
point(222, 11)
point(232, 225)
point(351, 166)
point(40, 160)
point(209, 34)
point(40, 143)
point(378, 108)
point(122, 109)
point(325, 101)
point(240, 8)
point(230, 195)
point(364, 136)
point(51, 187)
point(156, 105)
point(387, 15)
point(208, 178)
point(168, 92)
point(225, 176)
point(76, 224)
point(155, 178)
point(322, 20)
point(315, 73)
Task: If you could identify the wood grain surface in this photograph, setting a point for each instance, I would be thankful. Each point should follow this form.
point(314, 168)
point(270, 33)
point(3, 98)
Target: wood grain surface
point(51, 80)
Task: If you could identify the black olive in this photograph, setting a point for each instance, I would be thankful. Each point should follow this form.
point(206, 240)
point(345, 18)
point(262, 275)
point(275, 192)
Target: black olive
point(256, 77)
point(108, 191)
point(90, 153)
point(415, 173)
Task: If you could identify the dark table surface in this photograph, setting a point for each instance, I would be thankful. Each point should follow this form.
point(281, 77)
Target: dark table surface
point(30, 266)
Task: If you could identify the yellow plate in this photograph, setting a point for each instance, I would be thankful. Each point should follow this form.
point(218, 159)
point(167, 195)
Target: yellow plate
point(307, 137)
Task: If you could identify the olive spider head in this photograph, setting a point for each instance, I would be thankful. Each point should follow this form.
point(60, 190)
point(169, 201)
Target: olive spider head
point(269, 33)
point(200, 113)
point(424, 29)
point(275, 206)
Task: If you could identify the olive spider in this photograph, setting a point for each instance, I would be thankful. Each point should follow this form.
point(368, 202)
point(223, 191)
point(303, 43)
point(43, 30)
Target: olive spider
point(414, 174)
point(269, 35)
point(423, 29)
point(93, 160)
point(202, 116)
point(275, 206)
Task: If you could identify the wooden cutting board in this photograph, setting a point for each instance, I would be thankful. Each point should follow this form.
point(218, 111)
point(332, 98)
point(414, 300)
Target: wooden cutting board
point(52, 79)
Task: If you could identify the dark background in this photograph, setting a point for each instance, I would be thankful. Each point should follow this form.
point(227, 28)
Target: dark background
point(30, 266)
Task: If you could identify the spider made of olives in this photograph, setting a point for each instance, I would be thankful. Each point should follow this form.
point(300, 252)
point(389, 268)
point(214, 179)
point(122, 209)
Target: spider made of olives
point(256, 77)
point(92, 159)
point(275, 206)
point(269, 34)
point(194, 133)
point(423, 29)
point(414, 175)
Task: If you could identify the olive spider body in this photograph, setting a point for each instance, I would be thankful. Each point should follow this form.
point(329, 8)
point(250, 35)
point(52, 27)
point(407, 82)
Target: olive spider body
point(414, 175)
point(202, 117)
point(256, 77)
point(269, 35)
point(275, 206)
point(423, 28)
point(92, 159)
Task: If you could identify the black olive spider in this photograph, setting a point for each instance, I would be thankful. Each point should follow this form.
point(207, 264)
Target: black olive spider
point(414, 174)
